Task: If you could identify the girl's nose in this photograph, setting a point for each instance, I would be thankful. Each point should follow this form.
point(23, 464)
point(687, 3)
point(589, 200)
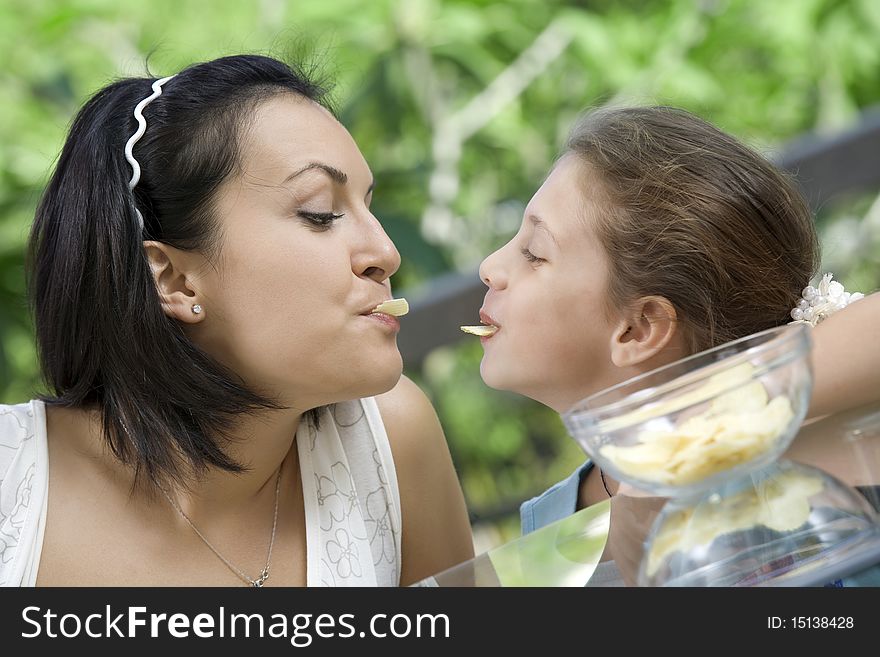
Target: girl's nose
point(492, 272)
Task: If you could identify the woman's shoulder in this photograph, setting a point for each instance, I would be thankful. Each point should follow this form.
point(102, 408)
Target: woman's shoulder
point(19, 431)
point(405, 404)
point(412, 425)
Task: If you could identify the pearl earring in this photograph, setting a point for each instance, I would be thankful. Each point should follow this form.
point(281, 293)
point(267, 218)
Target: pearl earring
point(197, 309)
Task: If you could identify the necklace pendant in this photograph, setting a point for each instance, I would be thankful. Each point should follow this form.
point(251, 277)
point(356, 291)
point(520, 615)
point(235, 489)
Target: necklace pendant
point(264, 575)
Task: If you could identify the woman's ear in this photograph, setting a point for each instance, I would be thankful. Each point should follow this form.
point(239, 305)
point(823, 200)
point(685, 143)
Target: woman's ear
point(643, 332)
point(176, 294)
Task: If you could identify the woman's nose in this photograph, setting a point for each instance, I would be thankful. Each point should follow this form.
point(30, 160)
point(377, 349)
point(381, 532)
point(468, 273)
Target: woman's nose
point(379, 258)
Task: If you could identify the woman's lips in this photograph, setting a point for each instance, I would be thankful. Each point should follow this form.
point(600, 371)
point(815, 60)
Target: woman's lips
point(389, 322)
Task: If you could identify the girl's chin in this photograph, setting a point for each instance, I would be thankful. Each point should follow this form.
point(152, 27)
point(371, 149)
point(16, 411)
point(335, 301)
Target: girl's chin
point(487, 375)
point(498, 380)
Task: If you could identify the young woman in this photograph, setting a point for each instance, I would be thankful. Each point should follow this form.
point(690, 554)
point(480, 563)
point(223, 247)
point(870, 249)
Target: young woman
point(655, 236)
point(225, 408)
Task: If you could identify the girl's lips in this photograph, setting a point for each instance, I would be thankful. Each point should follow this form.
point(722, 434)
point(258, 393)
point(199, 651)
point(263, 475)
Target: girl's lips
point(487, 319)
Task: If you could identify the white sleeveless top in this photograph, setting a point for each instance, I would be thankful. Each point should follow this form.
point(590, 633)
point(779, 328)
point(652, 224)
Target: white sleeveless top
point(352, 502)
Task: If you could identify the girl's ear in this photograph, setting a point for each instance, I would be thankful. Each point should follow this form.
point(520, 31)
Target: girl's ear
point(176, 294)
point(644, 331)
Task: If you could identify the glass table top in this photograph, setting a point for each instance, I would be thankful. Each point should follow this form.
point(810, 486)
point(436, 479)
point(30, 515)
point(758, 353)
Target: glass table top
point(806, 520)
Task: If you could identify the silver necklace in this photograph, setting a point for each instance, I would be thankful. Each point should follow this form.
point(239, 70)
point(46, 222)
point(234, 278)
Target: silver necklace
point(264, 574)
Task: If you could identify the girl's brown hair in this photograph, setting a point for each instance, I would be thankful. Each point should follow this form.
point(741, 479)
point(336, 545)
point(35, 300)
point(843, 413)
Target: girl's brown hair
point(698, 218)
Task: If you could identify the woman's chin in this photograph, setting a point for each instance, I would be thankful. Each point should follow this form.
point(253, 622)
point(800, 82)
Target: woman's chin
point(382, 378)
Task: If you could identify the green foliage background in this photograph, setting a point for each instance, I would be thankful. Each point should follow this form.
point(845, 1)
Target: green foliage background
point(765, 71)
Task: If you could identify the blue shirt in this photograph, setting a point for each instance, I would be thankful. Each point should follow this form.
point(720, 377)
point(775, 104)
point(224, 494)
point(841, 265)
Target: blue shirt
point(555, 503)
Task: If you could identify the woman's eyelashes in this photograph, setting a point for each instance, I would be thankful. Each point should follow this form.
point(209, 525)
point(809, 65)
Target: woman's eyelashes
point(320, 220)
point(531, 257)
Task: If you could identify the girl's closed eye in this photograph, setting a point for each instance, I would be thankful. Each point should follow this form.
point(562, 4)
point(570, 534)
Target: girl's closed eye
point(531, 257)
point(320, 220)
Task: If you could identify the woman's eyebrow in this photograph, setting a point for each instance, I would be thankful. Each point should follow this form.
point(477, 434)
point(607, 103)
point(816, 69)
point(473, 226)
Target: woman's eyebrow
point(335, 174)
point(540, 225)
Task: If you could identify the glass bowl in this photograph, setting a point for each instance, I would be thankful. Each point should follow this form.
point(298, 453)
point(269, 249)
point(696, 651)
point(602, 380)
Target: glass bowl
point(776, 524)
point(695, 423)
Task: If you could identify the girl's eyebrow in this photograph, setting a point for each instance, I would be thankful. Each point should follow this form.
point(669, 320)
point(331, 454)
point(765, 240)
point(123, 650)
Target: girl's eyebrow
point(541, 225)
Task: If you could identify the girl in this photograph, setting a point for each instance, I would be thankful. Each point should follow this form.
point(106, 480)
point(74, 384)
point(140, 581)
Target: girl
point(655, 236)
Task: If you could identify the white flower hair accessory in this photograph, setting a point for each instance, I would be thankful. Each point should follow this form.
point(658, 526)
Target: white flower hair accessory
point(820, 302)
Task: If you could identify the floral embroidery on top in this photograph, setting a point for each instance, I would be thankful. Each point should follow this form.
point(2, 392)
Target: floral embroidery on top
point(343, 552)
point(380, 527)
point(356, 516)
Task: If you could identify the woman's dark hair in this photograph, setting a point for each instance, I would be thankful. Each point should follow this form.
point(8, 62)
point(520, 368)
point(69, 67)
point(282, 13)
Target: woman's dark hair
point(103, 340)
point(696, 217)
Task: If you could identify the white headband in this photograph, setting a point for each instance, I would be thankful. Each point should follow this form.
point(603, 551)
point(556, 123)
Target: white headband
point(142, 127)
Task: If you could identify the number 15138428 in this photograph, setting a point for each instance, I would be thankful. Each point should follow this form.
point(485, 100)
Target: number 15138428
point(810, 622)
